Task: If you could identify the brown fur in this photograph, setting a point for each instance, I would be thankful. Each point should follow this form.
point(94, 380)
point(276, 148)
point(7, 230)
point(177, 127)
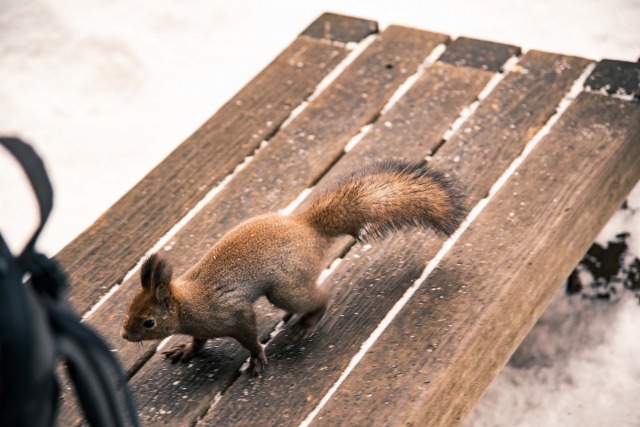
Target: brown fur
point(280, 257)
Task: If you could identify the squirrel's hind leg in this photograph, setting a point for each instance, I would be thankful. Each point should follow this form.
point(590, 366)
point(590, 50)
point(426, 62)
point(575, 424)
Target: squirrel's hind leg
point(308, 323)
point(310, 301)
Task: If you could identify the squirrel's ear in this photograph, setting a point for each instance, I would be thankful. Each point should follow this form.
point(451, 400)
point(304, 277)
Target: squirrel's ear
point(146, 271)
point(156, 275)
point(162, 274)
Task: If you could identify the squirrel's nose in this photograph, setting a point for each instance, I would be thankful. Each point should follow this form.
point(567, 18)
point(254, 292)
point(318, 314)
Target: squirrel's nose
point(130, 337)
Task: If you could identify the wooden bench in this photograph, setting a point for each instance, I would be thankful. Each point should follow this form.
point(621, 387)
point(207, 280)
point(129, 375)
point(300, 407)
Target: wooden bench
point(547, 147)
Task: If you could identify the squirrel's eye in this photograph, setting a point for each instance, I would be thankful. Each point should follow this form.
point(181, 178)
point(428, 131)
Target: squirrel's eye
point(149, 323)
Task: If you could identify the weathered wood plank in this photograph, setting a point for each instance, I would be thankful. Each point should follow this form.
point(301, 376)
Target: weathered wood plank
point(479, 54)
point(459, 329)
point(614, 77)
point(371, 279)
point(330, 26)
point(101, 256)
point(296, 157)
point(527, 98)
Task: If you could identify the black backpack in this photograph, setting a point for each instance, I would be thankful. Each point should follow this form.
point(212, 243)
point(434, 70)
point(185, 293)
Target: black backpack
point(38, 329)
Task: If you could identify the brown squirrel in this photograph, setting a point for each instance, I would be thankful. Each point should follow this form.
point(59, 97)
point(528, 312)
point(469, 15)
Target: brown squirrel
point(281, 256)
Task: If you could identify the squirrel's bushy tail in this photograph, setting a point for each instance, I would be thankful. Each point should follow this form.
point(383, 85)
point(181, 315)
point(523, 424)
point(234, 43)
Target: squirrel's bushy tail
point(387, 197)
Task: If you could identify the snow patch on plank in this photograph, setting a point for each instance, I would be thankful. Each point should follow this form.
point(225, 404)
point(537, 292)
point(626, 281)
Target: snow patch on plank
point(327, 271)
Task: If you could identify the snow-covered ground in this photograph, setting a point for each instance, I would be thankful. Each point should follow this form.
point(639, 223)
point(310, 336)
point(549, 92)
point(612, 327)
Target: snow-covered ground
point(106, 89)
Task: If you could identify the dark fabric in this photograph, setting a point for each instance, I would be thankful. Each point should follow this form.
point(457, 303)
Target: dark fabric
point(38, 329)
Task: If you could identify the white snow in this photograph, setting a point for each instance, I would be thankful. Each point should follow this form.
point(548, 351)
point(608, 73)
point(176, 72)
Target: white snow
point(625, 220)
point(578, 367)
point(106, 89)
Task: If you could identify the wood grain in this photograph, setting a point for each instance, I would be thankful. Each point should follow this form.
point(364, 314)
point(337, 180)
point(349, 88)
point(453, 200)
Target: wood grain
point(101, 256)
point(295, 157)
point(415, 125)
point(458, 330)
point(371, 279)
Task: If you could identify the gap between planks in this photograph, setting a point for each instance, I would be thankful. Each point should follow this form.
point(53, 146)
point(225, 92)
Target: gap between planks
point(576, 88)
point(471, 109)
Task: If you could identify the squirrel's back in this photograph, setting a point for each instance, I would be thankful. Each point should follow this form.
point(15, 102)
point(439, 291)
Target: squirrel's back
point(386, 197)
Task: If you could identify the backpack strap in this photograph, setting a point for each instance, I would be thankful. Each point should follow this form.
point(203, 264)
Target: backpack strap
point(37, 174)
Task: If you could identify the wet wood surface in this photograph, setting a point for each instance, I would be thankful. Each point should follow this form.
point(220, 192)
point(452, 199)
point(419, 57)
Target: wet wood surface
point(469, 110)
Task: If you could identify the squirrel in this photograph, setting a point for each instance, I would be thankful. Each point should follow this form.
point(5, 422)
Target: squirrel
point(281, 257)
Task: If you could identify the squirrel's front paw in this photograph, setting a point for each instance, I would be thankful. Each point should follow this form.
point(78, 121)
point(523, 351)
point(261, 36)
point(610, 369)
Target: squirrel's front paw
point(182, 353)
